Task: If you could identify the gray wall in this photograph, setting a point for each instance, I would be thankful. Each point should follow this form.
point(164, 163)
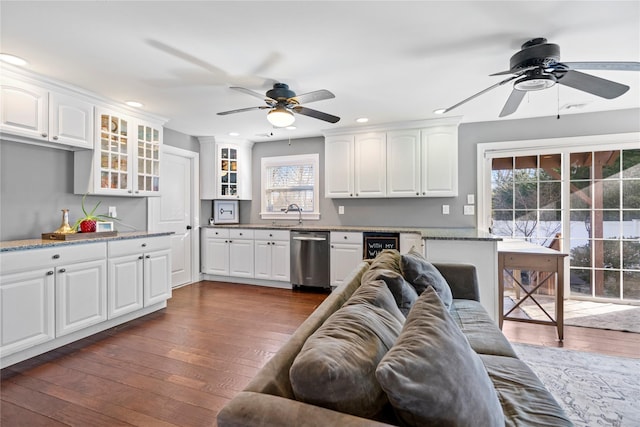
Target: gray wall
point(36, 183)
point(426, 212)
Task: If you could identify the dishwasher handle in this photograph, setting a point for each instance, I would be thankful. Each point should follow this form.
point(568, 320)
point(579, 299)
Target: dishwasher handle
point(317, 239)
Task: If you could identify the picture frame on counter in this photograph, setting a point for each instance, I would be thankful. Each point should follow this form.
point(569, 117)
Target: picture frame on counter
point(104, 226)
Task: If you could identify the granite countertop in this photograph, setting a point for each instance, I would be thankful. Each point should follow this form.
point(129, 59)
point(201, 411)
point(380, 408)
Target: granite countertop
point(18, 245)
point(426, 233)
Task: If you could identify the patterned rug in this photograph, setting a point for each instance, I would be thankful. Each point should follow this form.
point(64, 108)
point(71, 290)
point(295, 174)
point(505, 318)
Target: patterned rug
point(593, 389)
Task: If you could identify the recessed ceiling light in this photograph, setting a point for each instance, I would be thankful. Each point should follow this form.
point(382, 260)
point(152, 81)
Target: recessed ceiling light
point(362, 120)
point(12, 59)
point(439, 111)
point(234, 134)
point(134, 104)
point(291, 128)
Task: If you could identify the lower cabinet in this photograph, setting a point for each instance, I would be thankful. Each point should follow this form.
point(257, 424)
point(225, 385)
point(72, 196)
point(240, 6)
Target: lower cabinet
point(346, 253)
point(227, 252)
point(272, 255)
point(56, 295)
point(139, 274)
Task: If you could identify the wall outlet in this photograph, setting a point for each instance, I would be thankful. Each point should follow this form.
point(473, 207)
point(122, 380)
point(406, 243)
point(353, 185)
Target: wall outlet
point(445, 209)
point(340, 210)
point(471, 199)
point(469, 210)
point(112, 212)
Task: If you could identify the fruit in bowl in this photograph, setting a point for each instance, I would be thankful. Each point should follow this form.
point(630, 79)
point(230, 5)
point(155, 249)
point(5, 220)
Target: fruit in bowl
point(87, 224)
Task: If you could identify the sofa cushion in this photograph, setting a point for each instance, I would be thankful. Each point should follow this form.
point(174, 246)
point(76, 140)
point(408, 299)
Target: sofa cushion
point(336, 366)
point(524, 399)
point(422, 274)
point(432, 376)
point(403, 293)
point(376, 292)
point(483, 334)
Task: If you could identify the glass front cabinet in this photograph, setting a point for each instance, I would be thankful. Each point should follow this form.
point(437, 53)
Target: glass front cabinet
point(126, 158)
point(225, 169)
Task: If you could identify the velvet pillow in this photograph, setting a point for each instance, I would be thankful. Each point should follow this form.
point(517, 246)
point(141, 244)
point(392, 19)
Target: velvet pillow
point(336, 366)
point(433, 377)
point(422, 274)
point(403, 293)
point(376, 292)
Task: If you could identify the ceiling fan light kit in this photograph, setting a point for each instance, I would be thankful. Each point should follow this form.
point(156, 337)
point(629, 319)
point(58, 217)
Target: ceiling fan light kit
point(537, 66)
point(280, 117)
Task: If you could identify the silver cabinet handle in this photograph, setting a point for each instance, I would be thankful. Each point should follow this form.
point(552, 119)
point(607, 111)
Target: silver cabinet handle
point(317, 239)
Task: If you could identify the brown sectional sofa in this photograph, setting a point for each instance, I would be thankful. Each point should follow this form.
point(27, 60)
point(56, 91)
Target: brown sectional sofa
point(449, 365)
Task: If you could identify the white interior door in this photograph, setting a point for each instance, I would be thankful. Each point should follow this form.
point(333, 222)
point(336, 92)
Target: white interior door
point(175, 211)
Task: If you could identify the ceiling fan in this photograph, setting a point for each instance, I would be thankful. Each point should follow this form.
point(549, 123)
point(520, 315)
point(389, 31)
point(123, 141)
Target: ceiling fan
point(537, 66)
point(282, 102)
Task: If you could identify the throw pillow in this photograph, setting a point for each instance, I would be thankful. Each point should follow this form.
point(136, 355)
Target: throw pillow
point(336, 366)
point(433, 377)
point(376, 292)
point(422, 274)
point(403, 293)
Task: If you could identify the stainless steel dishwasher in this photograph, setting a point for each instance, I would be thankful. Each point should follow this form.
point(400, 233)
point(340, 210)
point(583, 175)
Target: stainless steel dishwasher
point(310, 259)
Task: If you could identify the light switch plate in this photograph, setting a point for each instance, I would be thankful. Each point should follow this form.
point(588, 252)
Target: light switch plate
point(340, 210)
point(471, 199)
point(469, 210)
point(445, 209)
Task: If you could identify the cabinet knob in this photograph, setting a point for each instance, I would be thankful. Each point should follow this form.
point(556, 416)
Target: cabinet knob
point(55, 138)
point(44, 135)
point(241, 234)
point(350, 194)
point(136, 191)
point(56, 256)
point(270, 235)
point(129, 191)
point(49, 273)
point(144, 245)
point(417, 194)
point(268, 243)
point(345, 237)
point(62, 270)
point(148, 256)
point(140, 257)
point(230, 241)
point(424, 193)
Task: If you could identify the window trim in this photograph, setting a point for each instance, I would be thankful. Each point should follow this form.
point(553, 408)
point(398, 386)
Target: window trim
point(266, 162)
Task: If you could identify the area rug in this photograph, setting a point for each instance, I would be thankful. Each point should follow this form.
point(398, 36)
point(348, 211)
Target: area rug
point(627, 320)
point(593, 389)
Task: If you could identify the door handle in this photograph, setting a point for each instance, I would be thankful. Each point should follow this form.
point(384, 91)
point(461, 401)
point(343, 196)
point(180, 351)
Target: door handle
point(188, 227)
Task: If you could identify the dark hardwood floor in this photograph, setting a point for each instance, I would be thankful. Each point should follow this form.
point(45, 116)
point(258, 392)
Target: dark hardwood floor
point(181, 365)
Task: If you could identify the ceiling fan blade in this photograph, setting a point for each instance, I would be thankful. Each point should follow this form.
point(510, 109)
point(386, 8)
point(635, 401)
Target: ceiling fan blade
point(317, 95)
point(592, 84)
point(315, 114)
point(241, 110)
point(480, 93)
point(251, 92)
point(513, 102)
point(518, 71)
point(620, 66)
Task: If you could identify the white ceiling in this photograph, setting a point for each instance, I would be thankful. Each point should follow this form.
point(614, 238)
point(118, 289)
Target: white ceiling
point(388, 61)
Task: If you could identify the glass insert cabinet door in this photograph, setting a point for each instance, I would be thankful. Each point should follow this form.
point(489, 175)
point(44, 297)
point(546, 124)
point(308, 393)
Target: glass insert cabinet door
point(148, 156)
point(228, 172)
point(114, 152)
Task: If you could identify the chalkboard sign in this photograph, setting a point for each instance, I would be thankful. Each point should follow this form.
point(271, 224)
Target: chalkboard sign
point(374, 243)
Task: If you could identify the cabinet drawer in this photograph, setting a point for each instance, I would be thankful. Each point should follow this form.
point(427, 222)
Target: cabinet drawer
point(49, 257)
point(342, 237)
point(134, 246)
point(240, 234)
point(222, 233)
point(280, 235)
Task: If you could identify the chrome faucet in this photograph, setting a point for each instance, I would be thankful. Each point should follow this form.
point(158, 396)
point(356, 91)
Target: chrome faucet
point(294, 207)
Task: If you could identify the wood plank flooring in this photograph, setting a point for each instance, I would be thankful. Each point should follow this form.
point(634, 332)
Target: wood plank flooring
point(179, 366)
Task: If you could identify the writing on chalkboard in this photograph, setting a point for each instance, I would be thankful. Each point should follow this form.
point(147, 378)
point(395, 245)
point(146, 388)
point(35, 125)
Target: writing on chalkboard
point(375, 243)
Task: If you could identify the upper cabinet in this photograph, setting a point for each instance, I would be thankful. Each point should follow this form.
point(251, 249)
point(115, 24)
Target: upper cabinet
point(125, 160)
point(402, 162)
point(43, 115)
point(225, 169)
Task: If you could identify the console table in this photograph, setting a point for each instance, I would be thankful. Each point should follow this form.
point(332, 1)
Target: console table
point(516, 255)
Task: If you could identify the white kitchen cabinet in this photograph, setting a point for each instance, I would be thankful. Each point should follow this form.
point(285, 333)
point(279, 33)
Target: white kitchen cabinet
point(403, 163)
point(43, 115)
point(346, 253)
point(139, 274)
point(228, 252)
point(339, 165)
point(226, 169)
point(355, 165)
point(126, 159)
point(50, 292)
point(272, 255)
point(439, 157)
point(27, 311)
